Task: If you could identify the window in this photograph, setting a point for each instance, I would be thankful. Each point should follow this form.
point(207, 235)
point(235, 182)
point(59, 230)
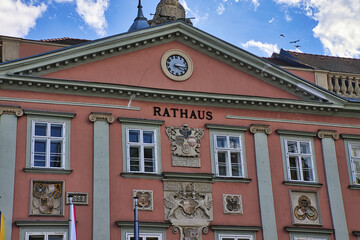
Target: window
point(228, 155)
point(354, 155)
point(309, 238)
point(141, 150)
point(48, 142)
point(45, 236)
point(299, 160)
point(141, 147)
point(145, 236)
point(235, 237)
point(48, 145)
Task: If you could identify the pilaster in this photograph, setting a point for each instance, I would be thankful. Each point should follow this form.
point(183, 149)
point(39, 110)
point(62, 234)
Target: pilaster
point(101, 182)
point(8, 130)
point(328, 138)
point(266, 198)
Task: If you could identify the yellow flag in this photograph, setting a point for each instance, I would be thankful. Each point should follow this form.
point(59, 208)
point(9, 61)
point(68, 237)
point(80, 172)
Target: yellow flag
point(2, 227)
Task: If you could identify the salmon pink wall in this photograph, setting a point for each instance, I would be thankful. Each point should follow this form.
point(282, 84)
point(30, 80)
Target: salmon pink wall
point(307, 75)
point(80, 180)
point(142, 68)
point(28, 49)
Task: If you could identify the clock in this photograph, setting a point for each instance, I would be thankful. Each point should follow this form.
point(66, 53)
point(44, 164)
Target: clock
point(177, 65)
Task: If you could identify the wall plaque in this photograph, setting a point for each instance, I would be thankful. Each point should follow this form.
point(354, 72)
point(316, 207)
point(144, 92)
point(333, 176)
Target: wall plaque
point(232, 204)
point(77, 198)
point(145, 199)
point(305, 208)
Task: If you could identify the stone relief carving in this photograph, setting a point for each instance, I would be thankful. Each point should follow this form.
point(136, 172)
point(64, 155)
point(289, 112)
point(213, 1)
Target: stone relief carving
point(232, 204)
point(167, 11)
point(305, 208)
point(190, 210)
point(185, 145)
point(145, 199)
point(46, 198)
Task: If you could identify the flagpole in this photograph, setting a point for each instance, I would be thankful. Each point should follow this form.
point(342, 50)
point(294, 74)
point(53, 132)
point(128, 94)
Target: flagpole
point(136, 220)
point(70, 225)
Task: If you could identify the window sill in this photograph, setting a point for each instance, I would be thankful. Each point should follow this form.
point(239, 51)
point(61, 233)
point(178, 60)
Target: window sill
point(141, 175)
point(229, 179)
point(303, 184)
point(48, 171)
point(354, 187)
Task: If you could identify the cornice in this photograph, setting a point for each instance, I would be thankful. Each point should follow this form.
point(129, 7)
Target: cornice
point(49, 113)
point(226, 127)
point(141, 121)
point(350, 136)
point(83, 88)
point(98, 116)
point(257, 128)
point(235, 228)
point(296, 133)
point(37, 223)
point(198, 177)
point(11, 110)
point(143, 224)
point(323, 133)
point(195, 38)
point(309, 230)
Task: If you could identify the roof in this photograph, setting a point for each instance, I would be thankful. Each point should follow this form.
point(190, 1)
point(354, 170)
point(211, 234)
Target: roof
point(65, 40)
point(320, 62)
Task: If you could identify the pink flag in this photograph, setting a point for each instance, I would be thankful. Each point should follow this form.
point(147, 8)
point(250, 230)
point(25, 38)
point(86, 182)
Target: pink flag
point(72, 220)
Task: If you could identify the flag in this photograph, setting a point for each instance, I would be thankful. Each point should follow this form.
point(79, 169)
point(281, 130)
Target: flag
point(72, 220)
point(2, 227)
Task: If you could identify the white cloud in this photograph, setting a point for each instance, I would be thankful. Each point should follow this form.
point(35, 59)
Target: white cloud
point(337, 26)
point(220, 9)
point(93, 13)
point(193, 13)
point(256, 3)
point(266, 48)
point(287, 16)
point(63, 1)
point(17, 18)
point(271, 20)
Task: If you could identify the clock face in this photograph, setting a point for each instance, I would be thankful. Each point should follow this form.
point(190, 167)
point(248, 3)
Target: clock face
point(176, 65)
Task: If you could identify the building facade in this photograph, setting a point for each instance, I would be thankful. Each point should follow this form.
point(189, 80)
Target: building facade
point(215, 142)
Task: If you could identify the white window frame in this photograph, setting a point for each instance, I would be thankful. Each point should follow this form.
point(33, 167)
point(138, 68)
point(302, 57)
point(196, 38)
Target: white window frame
point(45, 234)
point(145, 235)
point(228, 151)
point(287, 155)
point(48, 139)
point(309, 238)
point(236, 237)
point(142, 145)
point(351, 158)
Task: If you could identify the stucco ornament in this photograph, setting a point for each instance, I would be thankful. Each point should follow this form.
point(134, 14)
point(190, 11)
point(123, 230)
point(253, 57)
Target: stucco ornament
point(185, 145)
point(232, 204)
point(305, 208)
point(46, 199)
point(168, 11)
point(145, 199)
point(189, 207)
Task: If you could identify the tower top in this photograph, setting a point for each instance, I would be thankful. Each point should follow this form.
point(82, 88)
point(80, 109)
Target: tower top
point(169, 11)
point(140, 21)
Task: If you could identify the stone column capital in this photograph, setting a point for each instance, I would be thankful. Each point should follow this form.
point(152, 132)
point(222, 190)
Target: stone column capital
point(323, 133)
point(11, 110)
point(259, 128)
point(98, 116)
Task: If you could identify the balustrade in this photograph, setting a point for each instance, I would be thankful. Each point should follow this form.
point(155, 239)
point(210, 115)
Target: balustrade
point(344, 85)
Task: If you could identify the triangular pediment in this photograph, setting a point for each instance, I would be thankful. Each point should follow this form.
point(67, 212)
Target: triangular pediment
point(132, 61)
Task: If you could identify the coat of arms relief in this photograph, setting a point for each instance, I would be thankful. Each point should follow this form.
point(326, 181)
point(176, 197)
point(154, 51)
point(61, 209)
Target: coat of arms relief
point(189, 208)
point(185, 145)
point(46, 198)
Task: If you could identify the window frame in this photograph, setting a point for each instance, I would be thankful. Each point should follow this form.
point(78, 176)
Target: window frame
point(352, 174)
point(142, 146)
point(235, 236)
point(46, 234)
point(227, 130)
point(48, 117)
point(298, 136)
point(48, 139)
point(143, 124)
point(228, 150)
point(299, 162)
point(128, 235)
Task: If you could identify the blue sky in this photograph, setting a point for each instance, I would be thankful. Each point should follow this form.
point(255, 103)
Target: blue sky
point(329, 27)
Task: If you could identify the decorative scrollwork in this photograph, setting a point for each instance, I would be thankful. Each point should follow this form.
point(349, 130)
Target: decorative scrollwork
point(11, 110)
point(328, 134)
point(93, 117)
point(205, 230)
point(255, 128)
point(175, 229)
